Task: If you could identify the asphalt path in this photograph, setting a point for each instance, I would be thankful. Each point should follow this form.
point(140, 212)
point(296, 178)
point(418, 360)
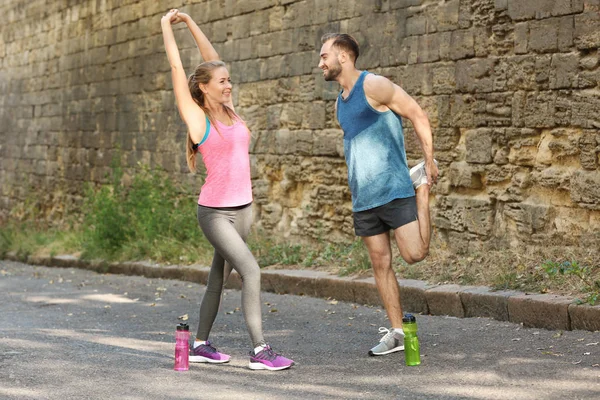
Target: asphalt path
point(76, 334)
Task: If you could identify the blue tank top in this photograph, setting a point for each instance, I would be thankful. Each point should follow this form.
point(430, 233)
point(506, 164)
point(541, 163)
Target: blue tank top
point(374, 149)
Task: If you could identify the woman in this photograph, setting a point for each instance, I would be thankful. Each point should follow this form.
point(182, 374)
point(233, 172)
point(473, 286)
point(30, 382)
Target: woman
point(224, 206)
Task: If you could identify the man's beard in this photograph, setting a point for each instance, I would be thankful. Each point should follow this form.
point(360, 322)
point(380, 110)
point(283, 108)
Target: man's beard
point(333, 72)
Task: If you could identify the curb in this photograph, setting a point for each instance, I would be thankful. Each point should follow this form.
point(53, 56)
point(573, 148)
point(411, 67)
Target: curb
point(532, 310)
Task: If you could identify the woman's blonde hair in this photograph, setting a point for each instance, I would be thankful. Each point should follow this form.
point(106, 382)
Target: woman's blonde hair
point(202, 75)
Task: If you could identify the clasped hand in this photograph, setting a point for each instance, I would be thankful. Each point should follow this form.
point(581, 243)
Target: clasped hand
point(174, 17)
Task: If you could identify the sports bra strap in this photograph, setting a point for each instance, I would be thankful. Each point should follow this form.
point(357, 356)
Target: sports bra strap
point(195, 146)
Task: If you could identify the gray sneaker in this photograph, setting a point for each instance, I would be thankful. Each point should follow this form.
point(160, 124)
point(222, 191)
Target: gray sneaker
point(391, 342)
point(418, 175)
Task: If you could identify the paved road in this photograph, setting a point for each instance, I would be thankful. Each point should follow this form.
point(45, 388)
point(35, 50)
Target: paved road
point(75, 334)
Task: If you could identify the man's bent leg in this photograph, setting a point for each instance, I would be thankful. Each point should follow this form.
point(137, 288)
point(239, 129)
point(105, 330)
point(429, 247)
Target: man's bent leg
point(413, 238)
point(380, 253)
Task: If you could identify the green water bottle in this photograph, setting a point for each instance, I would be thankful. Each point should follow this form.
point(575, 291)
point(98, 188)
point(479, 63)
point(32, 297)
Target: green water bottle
point(412, 353)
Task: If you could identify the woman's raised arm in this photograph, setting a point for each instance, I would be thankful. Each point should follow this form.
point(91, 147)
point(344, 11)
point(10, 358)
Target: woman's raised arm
point(191, 113)
point(207, 51)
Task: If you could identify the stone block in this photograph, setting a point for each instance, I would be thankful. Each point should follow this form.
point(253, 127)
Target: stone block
point(540, 311)
point(529, 218)
point(417, 25)
point(195, 273)
point(292, 115)
point(543, 35)
point(445, 45)
point(413, 297)
point(585, 188)
point(364, 291)
point(584, 317)
point(586, 34)
point(462, 45)
point(479, 217)
point(445, 139)
point(571, 222)
point(328, 142)
point(456, 111)
point(265, 142)
point(588, 79)
point(316, 116)
point(565, 33)
point(296, 15)
point(521, 73)
point(300, 63)
point(443, 78)
point(475, 75)
point(464, 175)
point(342, 291)
point(521, 10)
point(461, 213)
point(497, 174)
point(261, 188)
point(584, 109)
point(303, 142)
point(62, 261)
point(428, 50)
point(564, 72)
point(588, 143)
point(447, 15)
point(284, 142)
point(416, 79)
point(554, 177)
point(590, 62)
point(326, 90)
point(534, 110)
point(478, 144)
point(445, 300)
point(501, 4)
point(410, 45)
point(485, 302)
point(274, 116)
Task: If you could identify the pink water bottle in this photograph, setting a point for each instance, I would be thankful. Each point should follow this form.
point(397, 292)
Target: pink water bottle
point(182, 347)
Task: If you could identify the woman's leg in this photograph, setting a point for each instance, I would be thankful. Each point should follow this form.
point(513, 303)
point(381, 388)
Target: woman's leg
point(226, 231)
point(209, 307)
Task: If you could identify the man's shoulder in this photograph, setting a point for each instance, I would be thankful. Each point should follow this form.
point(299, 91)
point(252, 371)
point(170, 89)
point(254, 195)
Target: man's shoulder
point(374, 82)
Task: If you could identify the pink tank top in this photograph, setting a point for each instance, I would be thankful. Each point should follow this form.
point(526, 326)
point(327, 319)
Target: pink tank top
point(227, 160)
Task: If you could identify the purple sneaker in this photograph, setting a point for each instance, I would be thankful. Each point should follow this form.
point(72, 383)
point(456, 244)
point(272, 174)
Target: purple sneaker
point(206, 353)
point(268, 359)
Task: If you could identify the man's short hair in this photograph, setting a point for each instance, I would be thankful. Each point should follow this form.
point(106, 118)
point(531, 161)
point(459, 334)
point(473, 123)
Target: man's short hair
point(343, 41)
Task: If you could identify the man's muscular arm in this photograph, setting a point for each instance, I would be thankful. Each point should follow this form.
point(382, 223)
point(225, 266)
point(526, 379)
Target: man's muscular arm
point(382, 92)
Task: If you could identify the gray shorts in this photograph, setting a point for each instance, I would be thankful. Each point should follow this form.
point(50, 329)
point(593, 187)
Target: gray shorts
point(389, 216)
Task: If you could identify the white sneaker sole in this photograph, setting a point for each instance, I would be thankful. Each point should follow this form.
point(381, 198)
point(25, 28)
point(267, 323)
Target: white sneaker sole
point(416, 167)
point(200, 359)
point(257, 366)
point(420, 182)
point(383, 353)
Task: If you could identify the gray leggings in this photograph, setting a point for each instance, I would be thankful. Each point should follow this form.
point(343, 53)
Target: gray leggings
point(227, 230)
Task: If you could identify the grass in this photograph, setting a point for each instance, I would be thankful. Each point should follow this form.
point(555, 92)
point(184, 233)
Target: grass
point(552, 269)
point(25, 239)
point(150, 219)
point(153, 219)
point(345, 258)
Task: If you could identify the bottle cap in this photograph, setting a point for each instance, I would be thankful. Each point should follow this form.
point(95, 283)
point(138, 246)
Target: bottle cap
point(183, 327)
point(409, 318)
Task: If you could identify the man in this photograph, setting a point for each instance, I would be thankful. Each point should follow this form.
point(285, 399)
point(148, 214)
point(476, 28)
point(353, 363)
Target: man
point(386, 195)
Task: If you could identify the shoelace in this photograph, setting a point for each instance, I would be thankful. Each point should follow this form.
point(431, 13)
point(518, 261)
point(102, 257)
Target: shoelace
point(208, 347)
point(387, 332)
point(267, 353)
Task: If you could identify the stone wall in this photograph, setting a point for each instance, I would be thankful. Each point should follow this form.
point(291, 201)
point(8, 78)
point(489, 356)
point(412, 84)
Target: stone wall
point(511, 88)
